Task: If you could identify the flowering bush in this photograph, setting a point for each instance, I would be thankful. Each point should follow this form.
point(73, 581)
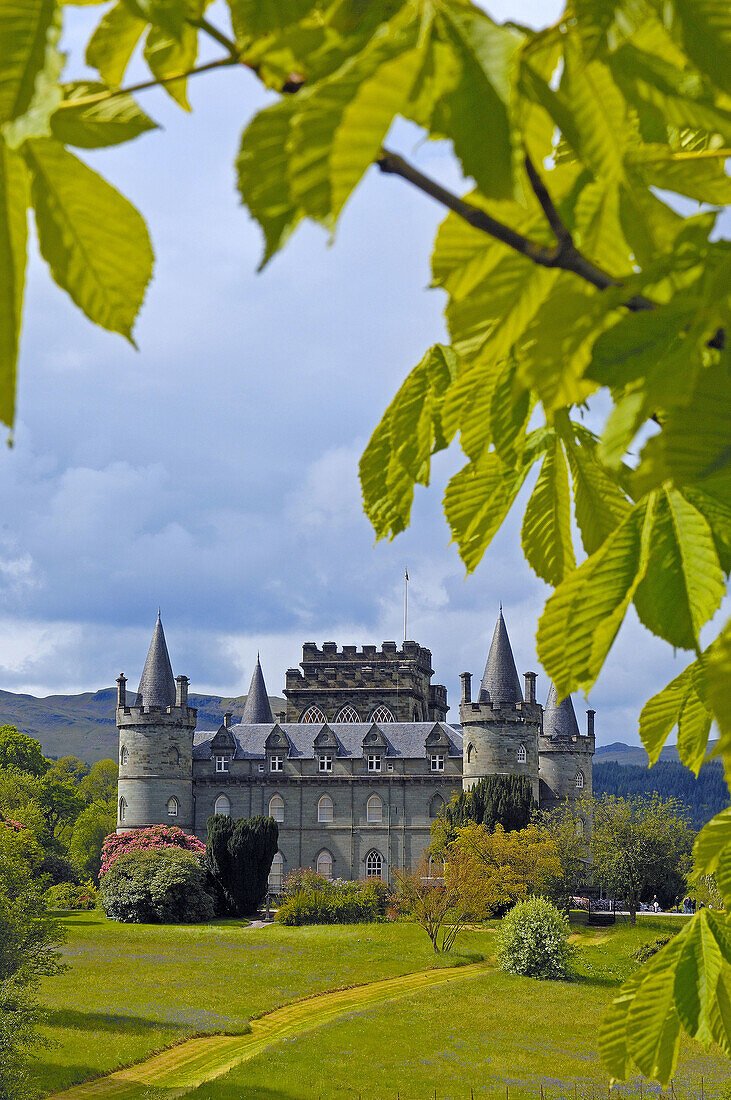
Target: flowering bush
point(534, 940)
point(14, 825)
point(67, 895)
point(143, 840)
point(156, 886)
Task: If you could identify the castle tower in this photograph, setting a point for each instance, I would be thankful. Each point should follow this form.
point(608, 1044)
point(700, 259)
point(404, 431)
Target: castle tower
point(500, 731)
point(257, 708)
point(155, 745)
point(565, 754)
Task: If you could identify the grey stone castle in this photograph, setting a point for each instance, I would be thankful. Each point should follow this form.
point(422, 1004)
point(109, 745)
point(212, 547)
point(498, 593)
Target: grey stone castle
point(360, 763)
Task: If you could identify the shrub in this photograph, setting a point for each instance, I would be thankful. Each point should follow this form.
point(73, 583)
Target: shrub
point(156, 887)
point(67, 895)
point(647, 950)
point(303, 878)
point(534, 940)
point(156, 837)
point(339, 902)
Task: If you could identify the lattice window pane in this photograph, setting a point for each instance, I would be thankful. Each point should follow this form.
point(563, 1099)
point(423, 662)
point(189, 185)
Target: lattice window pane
point(382, 714)
point(347, 714)
point(374, 865)
point(314, 715)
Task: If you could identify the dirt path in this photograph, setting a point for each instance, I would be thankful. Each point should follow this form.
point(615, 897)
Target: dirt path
point(174, 1071)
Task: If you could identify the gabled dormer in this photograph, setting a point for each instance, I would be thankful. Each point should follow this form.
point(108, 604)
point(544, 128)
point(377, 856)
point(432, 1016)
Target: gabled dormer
point(375, 748)
point(276, 746)
point(437, 748)
point(326, 749)
point(223, 746)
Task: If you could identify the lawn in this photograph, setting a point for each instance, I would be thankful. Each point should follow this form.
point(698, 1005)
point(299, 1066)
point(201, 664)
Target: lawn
point(482, 1033)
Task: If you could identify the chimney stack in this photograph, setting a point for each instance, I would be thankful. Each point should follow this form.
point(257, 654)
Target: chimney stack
point(227, 719)
point(590, 723)
point(466, 678)
point(530, 687)
point(121, 690)
point(181, 692)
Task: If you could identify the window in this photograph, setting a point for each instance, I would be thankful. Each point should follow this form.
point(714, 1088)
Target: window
point(276, 763)
point(374, 810)
point(374, 864)
point(276, 807)
point(373, 761)
point(522, 755)
point(172, 807)
point(222, 763)
point(416, 715)
point(382, 714)
point(222, 806)
point(325, 808)
point(314, 715)
point(123, 755)
point(122, 809)
point(579, 827)
point(347, 714)
point(325, 864)
point(437, 761)
point(579, 779)
point(174, 756)
point(276, 873)
point(325, 762)
point(470, 752)
point(436, 805)
point(389, 766)
point(437, 867)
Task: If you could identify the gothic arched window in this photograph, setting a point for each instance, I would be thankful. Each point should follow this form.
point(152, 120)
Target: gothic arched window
point(276, 807)
point(325, 864)
point(579, 827)
point(174, 756)
point(122, 809)
point(123, 755)
point(222, 806)
point(172, 807)
point(314, 715)
point(579, 779)
point(522, 755)
point(382, 714)
point(470, 752)
point(374, 864)
point(436, 805)
point(276, 873)
point(325, 808)
point(347, 714)
point(374, 810)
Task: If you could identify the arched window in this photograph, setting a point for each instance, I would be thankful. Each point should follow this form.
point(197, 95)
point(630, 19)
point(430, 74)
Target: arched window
point(382, 714)
point(436, 805)
point(470, 752)
point(172, 807)
point(123, 755)
point(347, 714)
point(416, 715)
point(374, 864)
point(222, 806)
point(276, 873)
point(579, 827)
point(174, 756)
point(579, 780)
point(276, 807)
point(437, 867)
point(325, 864)
point(325, 808)
point(314, 715)
point(522, 755)
point(374, 810)
point(122, 809)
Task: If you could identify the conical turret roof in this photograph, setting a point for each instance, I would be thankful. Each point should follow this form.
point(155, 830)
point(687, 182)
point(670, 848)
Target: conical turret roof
point(257, 708)
point(157, 686)
point(559, 719)
point(500, 679)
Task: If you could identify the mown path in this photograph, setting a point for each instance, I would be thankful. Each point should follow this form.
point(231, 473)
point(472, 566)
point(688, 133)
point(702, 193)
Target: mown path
point(172, 1072)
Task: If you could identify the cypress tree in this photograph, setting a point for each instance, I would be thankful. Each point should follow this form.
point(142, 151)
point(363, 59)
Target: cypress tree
point(505, 800)
point(239, 856)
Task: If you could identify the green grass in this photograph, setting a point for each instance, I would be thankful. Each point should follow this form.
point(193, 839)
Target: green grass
point(133, 989)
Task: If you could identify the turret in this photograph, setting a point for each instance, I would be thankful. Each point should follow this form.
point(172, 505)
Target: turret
point(500, 730)
point(155, 745)
point(565, 753)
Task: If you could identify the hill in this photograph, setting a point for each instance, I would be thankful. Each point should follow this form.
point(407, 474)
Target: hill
point(83, 725)
point(705, 796)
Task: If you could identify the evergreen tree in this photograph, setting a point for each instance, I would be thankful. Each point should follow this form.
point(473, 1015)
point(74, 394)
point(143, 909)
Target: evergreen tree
point(505, 800)
point(239, 857)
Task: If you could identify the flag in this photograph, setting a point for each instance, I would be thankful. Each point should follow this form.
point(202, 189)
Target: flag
point(406, 574)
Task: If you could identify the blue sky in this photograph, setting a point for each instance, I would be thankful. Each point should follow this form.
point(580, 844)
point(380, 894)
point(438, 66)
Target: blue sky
point(214, 472)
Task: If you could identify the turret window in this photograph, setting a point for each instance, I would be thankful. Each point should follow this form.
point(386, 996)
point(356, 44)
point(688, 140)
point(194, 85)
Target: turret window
point(374, 810)
point(347, 714)
point(276, 807)
point(470, 752)
point(325, 809)
point(174, 756)
point(522, 755)
point(123, 755)
point(314, 715)
point(579, 780)
point(172, 807)
point(382, 714)
point(122, 809)
point(222, 806)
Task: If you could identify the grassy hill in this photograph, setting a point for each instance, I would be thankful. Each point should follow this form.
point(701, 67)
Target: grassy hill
point(83, 725)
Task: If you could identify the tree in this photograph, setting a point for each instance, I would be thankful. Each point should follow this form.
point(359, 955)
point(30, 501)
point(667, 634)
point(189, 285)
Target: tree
point(569, 831)
point(100, 785)
point(157, 886)
point(437, 904)
point(90, 830)
point(496, 869)
point(567, 272)
point(505, 800)
point(239, 856)
point(20, 752)
point(641, 847)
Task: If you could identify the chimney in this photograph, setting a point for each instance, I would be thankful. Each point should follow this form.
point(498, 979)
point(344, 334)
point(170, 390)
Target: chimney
point(181, 691)
point(590, 723)
point(227, 719)
point(530, 687)
point(121, 690)
point(466, 678)
point(280, 716)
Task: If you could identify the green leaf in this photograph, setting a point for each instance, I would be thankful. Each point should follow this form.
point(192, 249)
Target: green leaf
point(653, 1026)
point(696, 976)
point(476, 502)
point(112, 44)
point(97, 125)
point(717, 512)
point(712, 852)
point(255, 18)
point(546, 530)
point(701, 178)
point(510, 410)
point(683, 584)
point(166, 15)
point(661, 713)
point(599, 503)
point(717, 679)
point(13, 237)
point(93, 239)
point(167, 55)
point(720, 1018)
point(706, 28)
point(397, 456)
point(36, 120)
point(24, 27)
point(581, 619)
point(599, 130)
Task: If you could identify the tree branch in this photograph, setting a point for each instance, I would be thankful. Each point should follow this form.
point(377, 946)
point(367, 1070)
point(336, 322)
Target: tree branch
point(218, 36)
point(554, 219)
point(112, 93)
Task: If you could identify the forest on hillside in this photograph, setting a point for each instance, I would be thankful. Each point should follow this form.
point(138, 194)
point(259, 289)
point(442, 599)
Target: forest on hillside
point(705, 796)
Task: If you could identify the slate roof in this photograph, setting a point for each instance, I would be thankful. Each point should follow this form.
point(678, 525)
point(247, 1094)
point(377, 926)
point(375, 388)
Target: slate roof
point(559, 719)
point(157, 685)
point(500, 678)
point(257, 708)
point(404, 739)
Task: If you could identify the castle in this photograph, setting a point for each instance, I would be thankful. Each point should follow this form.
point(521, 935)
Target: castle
point(360, 763)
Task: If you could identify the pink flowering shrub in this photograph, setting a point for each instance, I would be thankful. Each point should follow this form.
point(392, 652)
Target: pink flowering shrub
point(14, 825)
point(145, 840)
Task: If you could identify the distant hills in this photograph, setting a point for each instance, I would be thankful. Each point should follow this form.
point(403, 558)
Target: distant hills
point(620, 753)
point(83, 725)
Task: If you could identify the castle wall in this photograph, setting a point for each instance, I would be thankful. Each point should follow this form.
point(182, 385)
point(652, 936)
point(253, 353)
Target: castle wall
point(559, 764)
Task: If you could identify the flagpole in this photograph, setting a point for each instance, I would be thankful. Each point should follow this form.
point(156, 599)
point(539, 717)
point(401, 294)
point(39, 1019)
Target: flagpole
point(406, 599)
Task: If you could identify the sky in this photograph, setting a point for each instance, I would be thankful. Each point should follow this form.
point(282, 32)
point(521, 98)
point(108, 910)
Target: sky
point(213, 472)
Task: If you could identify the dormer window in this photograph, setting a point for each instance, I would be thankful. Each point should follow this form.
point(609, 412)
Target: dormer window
point(325, 762)
point(373, 762)
point(276, 762)
point(436, 761)
point(222, 763)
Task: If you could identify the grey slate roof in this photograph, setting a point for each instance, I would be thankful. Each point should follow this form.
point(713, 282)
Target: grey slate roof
point(500, 678)
point(257, 708)
point(404, 739)
point(157, 686)
point(559, 719)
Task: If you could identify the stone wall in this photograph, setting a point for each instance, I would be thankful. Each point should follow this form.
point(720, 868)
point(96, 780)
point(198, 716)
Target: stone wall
point(492, 738)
